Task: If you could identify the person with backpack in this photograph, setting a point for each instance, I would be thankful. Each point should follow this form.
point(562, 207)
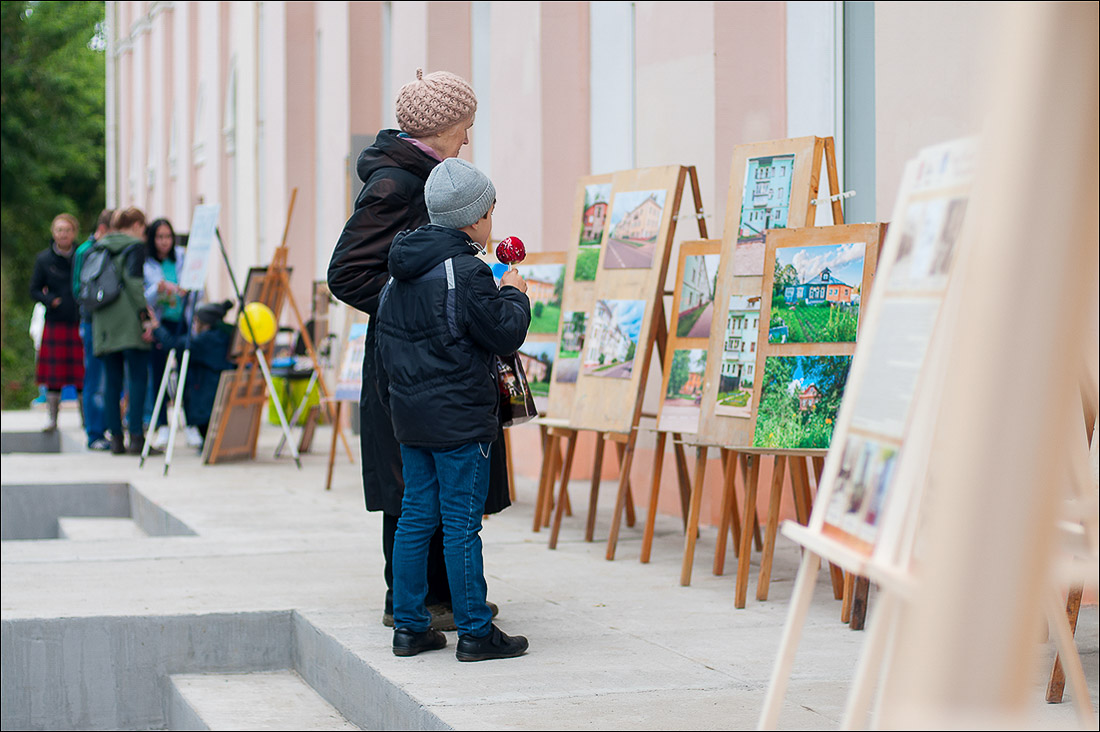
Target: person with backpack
point(112, 287)
point(94, 427)
point(61, 355)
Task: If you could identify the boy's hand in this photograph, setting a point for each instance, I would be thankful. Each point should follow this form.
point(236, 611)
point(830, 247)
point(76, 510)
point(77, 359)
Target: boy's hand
point(512, 277)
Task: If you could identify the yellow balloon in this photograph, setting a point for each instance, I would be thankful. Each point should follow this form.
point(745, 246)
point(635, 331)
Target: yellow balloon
point(262, 320)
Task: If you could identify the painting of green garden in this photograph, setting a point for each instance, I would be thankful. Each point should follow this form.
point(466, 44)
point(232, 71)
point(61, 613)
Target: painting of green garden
point(799, 400)
point(816, 294)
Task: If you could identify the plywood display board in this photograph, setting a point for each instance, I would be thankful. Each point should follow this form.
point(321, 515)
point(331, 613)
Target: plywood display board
point(590, 212)
point(693, 316)
point(772, 185)
point(621, 329)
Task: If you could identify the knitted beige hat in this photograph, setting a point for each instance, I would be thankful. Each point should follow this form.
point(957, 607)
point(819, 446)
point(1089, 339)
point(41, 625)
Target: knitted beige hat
point(433, 103)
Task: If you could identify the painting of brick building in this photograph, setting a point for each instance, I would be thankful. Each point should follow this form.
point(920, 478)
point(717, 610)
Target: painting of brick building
point(636, 219)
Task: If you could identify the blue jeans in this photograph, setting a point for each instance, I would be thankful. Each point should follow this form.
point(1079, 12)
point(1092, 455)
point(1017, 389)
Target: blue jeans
point(94, 425)
point(133, 366)
point(452, 485)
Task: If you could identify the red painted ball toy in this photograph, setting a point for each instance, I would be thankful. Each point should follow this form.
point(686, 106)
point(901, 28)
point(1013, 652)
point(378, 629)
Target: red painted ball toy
point(510, 250)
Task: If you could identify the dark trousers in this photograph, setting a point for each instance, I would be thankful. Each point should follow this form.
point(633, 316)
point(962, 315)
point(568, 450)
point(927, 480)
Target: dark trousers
point(131, 365)
point(439, 590)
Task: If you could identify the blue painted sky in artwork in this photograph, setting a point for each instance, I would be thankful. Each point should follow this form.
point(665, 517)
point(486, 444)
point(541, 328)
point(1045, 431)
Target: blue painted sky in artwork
point(628, 316)
point(845, 261)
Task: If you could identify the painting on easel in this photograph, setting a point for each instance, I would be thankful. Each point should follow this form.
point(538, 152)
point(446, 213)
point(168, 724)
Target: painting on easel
point(636, 218)
point(698, 283)
point(683, 398)
point(537, 358)
point(593, 221)
point(612, 338)
point(799, 400)
point(738, 371)
point(570, 346)
point(816, 293)
point(545, 283)
point(859, 493)
point(765, 203)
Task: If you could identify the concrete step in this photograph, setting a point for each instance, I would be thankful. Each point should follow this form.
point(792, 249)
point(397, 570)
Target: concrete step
point(262, 700)
point(98, 528)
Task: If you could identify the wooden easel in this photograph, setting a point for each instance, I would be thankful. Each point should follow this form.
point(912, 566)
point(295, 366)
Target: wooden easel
point(587, 416)
point(245, 394)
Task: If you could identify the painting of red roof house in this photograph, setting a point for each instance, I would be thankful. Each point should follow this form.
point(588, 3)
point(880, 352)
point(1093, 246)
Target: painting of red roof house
point(593, 222)
point(816, 292)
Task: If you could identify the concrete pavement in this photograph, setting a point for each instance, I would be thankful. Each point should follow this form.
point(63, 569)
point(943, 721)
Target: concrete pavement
point(280, 584)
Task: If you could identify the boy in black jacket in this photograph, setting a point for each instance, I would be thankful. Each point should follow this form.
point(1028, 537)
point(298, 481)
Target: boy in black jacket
point(441, 320)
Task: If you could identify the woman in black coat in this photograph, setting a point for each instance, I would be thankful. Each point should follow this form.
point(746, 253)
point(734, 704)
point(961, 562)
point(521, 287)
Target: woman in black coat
point(61, 355)
point(435, 113)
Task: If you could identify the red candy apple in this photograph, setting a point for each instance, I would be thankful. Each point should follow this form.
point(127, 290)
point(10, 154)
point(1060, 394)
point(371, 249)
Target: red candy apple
point(510, 250)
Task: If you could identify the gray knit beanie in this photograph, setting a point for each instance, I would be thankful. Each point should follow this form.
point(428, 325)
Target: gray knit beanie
point(458, 194)
point(433, 103)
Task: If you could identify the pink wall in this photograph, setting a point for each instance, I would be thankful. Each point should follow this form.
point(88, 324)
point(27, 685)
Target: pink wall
point(301, 131)
point(564, 63)
point(364, 73)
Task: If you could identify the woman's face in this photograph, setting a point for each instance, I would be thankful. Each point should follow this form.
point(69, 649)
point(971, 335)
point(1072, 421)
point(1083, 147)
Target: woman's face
point(452, 139)
point(63, 234)
point(163, 240)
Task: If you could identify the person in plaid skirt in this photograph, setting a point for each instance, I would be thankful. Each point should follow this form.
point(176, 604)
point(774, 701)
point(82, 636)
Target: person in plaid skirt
point(61, 355)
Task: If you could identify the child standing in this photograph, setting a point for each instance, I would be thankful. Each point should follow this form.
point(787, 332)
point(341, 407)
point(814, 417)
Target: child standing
point(441, 320)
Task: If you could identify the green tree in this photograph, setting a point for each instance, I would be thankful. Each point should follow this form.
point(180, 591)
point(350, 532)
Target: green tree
point(52, 79)
point(678, 372)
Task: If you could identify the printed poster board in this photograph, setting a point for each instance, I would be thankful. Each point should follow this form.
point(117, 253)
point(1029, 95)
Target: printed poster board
point(201, 241)
point(876, 468)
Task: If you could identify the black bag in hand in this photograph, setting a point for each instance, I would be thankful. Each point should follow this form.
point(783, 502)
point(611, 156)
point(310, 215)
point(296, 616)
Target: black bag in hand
point(517, 404)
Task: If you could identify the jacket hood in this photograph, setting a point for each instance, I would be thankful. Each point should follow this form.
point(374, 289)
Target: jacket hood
point(413, 253)
point(390, 151)
point(116, 241)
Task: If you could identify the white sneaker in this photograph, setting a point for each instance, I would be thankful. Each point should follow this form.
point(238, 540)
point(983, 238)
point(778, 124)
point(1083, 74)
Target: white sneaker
point(194, 439)
point(161, 440)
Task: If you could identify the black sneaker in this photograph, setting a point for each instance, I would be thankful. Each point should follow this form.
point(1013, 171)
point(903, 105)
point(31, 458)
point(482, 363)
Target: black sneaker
point(494, 645)
point(410, 643)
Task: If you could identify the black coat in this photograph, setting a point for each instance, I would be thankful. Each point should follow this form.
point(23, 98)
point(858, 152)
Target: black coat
point(393, 172)
point(438, 333)
point(53, 278)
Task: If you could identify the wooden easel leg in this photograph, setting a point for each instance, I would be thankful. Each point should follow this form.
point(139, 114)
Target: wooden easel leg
point(729, 498)
point(792, 631)
point(630, 517)
point(743, 559)
point(692, 532)
point(594, 490)
point(511, 470)
point(563, 496)
point(849, 592)
point(622, 495)
point(860, 590)
point(566, 470)
point(771, 529)
point(1063, 631)
point(800, 485)
point(684, 480)
point(654, 490)
point(1057, 685)
point(332, 447)
point(549, 477)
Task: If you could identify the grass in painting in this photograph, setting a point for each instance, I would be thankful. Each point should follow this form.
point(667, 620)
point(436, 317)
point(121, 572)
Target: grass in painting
point(815, 323)
point(545, 318)
point(587, 260)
